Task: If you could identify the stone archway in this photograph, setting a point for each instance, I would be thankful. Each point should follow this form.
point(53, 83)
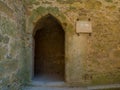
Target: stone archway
point(49, 52)
point(72, 44)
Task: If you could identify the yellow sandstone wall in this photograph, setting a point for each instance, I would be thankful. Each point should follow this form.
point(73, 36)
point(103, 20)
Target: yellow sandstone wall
point(95, 59)
point(90, 60)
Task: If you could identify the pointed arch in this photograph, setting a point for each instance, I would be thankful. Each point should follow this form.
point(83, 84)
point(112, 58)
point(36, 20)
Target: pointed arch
point(49, 52)
point(31, 28)
point(40, 23)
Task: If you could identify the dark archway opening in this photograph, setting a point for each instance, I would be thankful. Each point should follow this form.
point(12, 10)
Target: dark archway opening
point(49, 53)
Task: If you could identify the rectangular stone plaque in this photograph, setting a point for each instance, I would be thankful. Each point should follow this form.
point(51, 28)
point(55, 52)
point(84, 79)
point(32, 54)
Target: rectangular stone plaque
point(83, 27)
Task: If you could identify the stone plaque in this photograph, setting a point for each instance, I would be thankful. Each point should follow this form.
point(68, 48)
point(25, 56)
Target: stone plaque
point(83, 27)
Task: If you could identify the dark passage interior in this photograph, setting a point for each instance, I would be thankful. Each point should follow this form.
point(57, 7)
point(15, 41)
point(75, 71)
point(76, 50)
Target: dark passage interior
point(49, 63)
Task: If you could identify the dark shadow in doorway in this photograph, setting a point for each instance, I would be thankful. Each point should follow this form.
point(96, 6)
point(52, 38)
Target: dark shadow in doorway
point(49, 60)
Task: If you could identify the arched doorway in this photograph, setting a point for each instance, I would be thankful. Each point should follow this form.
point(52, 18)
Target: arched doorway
point(49, 52)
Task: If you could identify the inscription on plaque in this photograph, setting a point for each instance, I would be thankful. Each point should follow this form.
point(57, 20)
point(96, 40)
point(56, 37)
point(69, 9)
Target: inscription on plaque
point(83, 27)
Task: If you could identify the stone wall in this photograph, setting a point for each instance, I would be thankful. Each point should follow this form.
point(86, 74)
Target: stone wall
point(92, 60)
point(11, 44)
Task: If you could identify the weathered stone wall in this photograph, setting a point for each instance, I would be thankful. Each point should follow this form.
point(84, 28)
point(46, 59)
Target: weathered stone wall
point(99, 61)
point(91, 60)
point(11, 44)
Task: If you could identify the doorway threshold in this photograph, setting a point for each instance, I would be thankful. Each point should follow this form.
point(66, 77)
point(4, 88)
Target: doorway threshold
point(48, 84)
point(45, 80)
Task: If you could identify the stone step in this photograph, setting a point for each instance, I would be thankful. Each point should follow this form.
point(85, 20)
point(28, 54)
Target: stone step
point(62, 86)
point(105, 87)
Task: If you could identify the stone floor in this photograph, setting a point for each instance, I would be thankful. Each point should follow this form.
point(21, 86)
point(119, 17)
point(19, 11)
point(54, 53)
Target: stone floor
point(48, 78)
point(49, 83)
point(52, 87)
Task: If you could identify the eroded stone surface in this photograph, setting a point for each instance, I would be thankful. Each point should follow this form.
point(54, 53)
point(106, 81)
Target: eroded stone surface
point(91, 60)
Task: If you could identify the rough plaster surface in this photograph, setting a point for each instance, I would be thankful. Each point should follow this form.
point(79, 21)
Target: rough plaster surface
point(90, 60)
point(11, 44)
